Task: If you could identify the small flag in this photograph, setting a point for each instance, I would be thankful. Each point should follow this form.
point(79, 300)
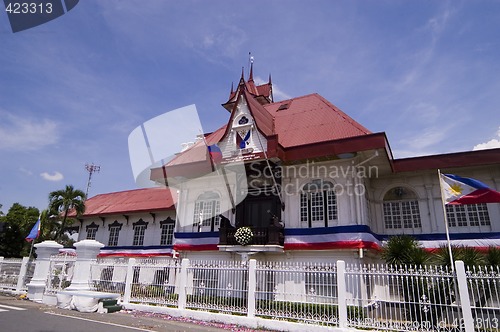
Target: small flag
point(244, 142)
point(458, 190)
point(35, 231)
point(215, 153)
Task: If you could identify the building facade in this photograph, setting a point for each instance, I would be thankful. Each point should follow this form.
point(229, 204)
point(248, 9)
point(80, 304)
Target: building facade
point(307, 180)
point(130, 223)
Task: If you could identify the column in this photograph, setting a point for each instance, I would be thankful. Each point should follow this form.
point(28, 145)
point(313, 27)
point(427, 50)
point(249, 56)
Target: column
point(44, 250)
point(86, 253)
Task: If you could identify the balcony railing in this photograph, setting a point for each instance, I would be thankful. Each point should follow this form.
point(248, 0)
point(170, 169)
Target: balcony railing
point(271, 235)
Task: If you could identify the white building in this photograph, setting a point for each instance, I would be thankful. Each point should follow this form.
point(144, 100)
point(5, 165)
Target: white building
point(310, 182)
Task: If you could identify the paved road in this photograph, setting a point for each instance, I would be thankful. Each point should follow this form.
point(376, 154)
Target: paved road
point(26, 316)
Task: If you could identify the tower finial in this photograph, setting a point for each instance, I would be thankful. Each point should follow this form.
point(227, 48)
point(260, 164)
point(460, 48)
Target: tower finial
point(250, 59)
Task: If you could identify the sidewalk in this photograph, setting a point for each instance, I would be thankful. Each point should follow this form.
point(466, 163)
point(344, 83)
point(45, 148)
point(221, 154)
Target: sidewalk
point(143, 320)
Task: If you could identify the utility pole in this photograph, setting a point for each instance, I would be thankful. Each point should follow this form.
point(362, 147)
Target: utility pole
point(91, 168)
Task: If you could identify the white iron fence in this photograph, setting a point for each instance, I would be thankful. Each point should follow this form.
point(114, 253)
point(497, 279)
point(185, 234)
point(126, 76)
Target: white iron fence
point(301, 292)
point(219, 286)
point(15, 274)
point(61, 270)
point(108, 275)
point(379, 297)
point(153, 281)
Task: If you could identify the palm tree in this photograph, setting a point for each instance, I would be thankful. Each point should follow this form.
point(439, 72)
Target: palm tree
point(65, 200)
point(404, 250)
point(469, 255)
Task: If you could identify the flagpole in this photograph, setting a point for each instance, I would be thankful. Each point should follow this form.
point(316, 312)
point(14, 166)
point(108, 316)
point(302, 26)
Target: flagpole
point(446, 223)
point(214, 167)
point(31, 249)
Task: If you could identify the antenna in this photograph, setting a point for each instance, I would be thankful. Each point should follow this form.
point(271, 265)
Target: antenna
point(91, 168)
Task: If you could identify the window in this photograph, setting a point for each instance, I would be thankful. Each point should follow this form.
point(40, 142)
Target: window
point(167, 231)
point(114, 232)
point(92, 231)
point(139, 231)
point(318, 203)
point(206, 211)
point(401, 209)
point(467, 215)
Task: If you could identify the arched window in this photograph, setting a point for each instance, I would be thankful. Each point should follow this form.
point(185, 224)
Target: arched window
point(92, 231)
point(401, 209)
point(318, 203)
point(139, 232)
point(206, 212)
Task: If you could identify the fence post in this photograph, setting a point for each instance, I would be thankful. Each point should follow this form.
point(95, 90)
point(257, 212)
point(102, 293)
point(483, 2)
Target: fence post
point(181, 304)
point(252, 286)
point(342, 294)
point(463, 291)
point(22, 274)
point(36, 286)
point(128, 280)
point(86, 253)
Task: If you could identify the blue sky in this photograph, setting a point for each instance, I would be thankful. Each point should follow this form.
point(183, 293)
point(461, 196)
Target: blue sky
point(425, 72)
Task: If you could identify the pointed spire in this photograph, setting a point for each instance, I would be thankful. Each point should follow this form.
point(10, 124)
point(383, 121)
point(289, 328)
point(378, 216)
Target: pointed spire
point(269, 79)
point(242, 78)
point(250, 78)
point(232, 89)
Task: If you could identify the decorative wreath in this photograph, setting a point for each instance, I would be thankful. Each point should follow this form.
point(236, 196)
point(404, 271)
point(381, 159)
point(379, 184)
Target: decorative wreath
point(243, 235)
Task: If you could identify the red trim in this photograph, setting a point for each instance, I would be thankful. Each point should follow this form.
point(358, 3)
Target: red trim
point(336, 147)
point(449, 160)
point(333, 245)
point(132, 255)
point(200, 247)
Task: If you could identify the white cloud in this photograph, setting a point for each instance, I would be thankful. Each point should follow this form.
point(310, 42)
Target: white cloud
point(56, 176)
point(278, 94)
point(25, 171)
point(491, 144)
point(19, 133)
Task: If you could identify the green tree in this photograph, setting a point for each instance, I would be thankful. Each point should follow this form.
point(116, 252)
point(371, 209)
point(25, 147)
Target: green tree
point(470, 256)
point(63, 201)
point(404, 250)
point(493, 257)
point(18, 222)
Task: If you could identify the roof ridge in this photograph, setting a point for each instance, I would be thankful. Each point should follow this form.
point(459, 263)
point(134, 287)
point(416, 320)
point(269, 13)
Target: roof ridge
point(345, 115)
point(127, 191)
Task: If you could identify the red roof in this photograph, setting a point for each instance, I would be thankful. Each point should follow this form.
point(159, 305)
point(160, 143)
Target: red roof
point(295, 129)
point(139, 200)
point(311, 119)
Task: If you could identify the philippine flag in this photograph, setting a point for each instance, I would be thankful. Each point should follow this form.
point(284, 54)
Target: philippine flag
point(458, 190)
point(35, 231)
point(215, 153)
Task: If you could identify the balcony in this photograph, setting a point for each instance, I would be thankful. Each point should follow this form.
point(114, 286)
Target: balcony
point(272, 235)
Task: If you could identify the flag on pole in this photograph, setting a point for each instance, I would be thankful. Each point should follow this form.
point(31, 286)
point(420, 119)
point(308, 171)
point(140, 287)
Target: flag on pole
point(458, 190)
point(35, 231)
point(215, 153)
